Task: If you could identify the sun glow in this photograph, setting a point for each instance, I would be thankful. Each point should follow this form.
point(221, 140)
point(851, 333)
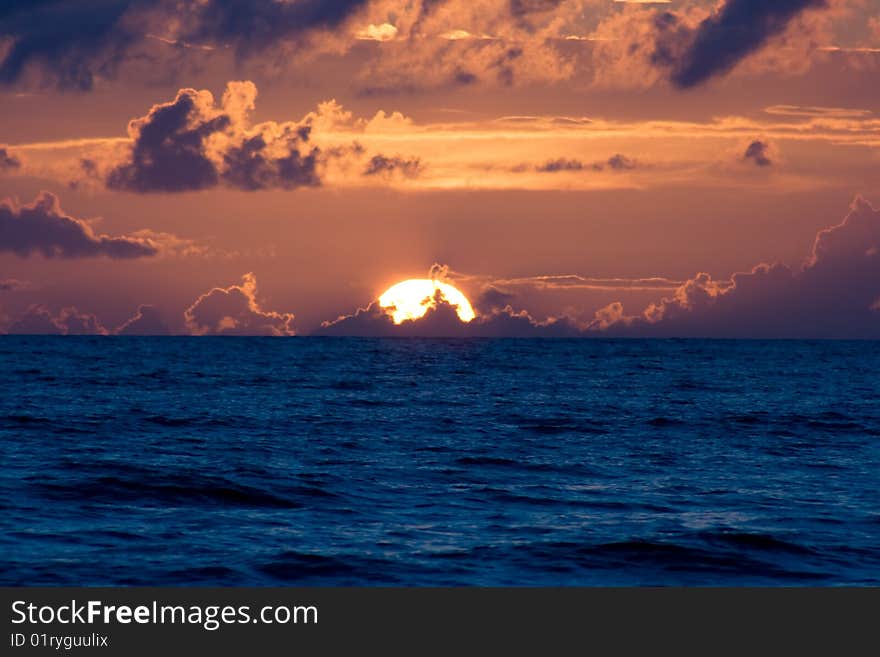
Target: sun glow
point(409, 300)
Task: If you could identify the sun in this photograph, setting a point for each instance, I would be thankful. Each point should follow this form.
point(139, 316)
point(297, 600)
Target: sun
point(409, 300)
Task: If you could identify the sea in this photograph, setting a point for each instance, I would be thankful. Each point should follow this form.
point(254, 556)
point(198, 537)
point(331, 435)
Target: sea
point(409, 462)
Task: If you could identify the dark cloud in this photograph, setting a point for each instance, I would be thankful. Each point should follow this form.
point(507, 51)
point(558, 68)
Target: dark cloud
point(39, 320)
point(146, 321)
point(43, 227)
point(525, 8)
point(504, 65)
point(560, 164)
point(74, 43)
point(493, 298)
point(737, 29)
point(7, 160)
point(381, 165)
point(247, 166)
point(833, 295)
point(190, 144)
point(616, 162)
point(758, 152)
point(252, 26)
point(427, 8)
point(169, 147)
point(621, 162)
point(234, 310)
point(464, 78)
point(441, 321)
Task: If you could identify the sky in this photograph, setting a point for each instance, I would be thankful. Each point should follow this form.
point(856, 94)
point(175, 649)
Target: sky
point(594, 168)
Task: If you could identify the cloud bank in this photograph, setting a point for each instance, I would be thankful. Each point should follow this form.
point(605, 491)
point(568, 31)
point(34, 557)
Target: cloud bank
point(441, 321)
point(400, 45)
point(75, 44)
point(834, 294)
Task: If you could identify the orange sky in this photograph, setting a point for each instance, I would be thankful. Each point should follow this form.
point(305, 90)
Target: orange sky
point(560, 158)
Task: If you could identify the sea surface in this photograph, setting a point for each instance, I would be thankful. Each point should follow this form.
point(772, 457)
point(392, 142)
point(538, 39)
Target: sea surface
point(332, 461)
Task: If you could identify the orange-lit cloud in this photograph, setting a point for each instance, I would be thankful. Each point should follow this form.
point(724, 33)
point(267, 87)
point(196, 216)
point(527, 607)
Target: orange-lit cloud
point(409, 45)
point(192, 143)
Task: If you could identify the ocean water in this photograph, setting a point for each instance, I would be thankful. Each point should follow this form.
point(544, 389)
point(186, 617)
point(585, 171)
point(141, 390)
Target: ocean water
point(311, 461)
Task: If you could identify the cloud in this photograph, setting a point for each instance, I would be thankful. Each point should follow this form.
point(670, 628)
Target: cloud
point(495, 318)
point(832, 295)
point(441, 321)
point(39, 320)
point(400, 45)
point(13, 285)
point(75, 44)
point(576, 281)
point(737, 29)
point(621, 162)
point(616, 162)
point(42, 227)
point(191, 144)
point(457, 43)
point(252, 26)
point(691, 44)
point(493, 298)
point(234, 310)
point(560, 164)
point(758, 152)
point(7, 160)
point(381, 165)
point(169, 149)
point(812, 111)
point(146, 321)
point(251, 166)
point(71, 42)
point(382, 32)
point(524, 8)
point(649, 153)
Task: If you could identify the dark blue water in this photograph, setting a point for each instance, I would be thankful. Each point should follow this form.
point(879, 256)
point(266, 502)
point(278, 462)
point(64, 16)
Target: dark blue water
point(333, 461)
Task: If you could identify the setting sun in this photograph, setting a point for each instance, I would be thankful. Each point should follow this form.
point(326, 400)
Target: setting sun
point(409, 300)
